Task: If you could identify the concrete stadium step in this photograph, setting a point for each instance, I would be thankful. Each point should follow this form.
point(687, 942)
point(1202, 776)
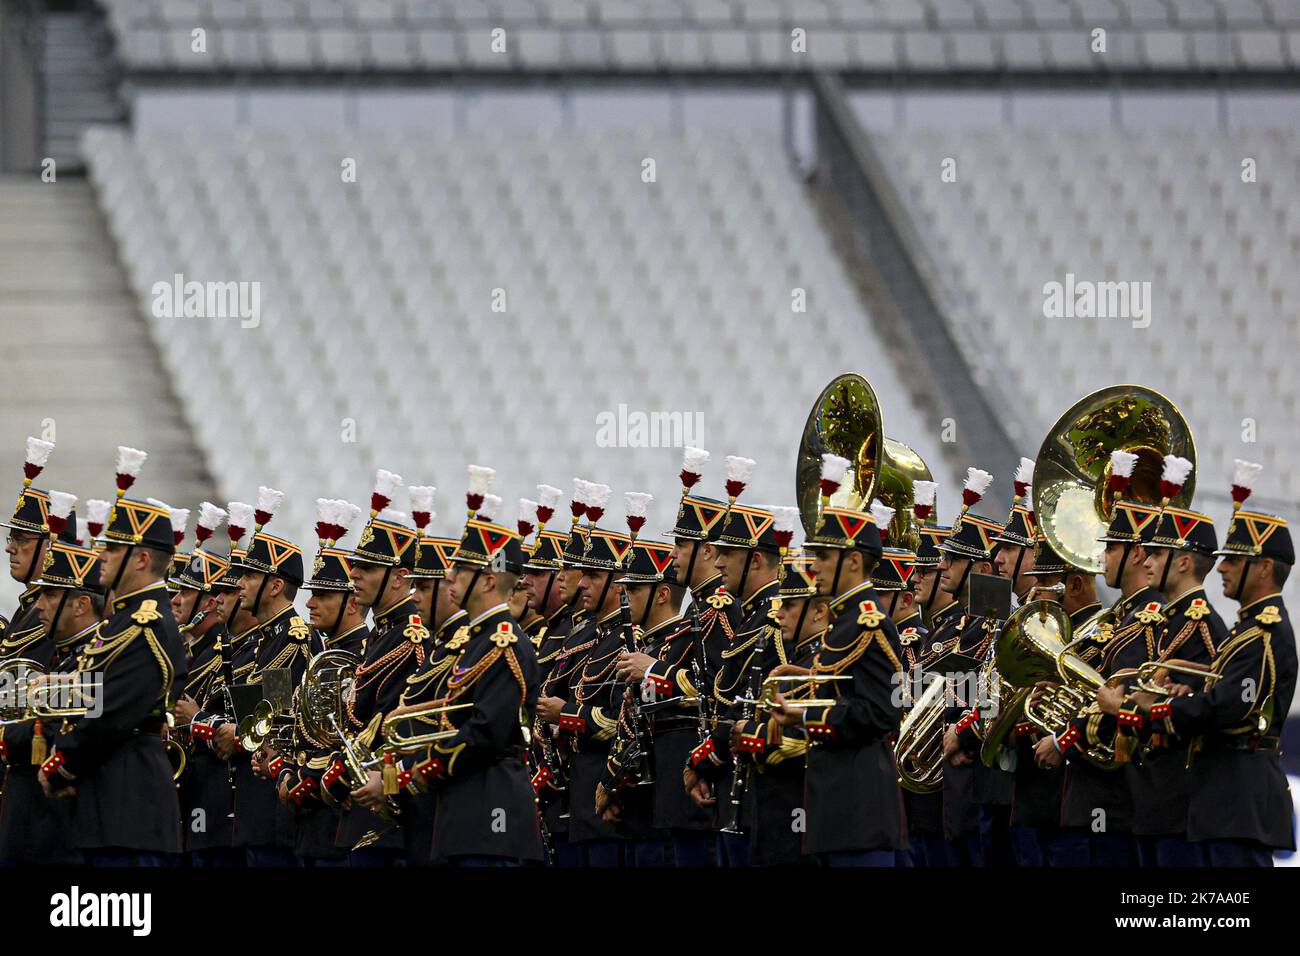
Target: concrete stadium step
point(79, 354)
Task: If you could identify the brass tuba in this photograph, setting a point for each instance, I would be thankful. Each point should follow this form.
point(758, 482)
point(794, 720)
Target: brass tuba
point(846, 421)
point(1073, 501)
point(918, 752)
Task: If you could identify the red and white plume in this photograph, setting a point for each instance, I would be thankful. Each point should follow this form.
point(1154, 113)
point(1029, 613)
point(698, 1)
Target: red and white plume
point(239, 520)
point(977, 482)
point(487, 510)
point(347, 516)
point(268, 502)
point(1121, 470)
point(421, 504)
point(527, 517)
point(882, 515)
point(834, 468)
point(923, 495)
point(386, 485)
point(597, 500)
point(328, 528)
point(61, 505)
point(1244, 474)
point(480, 480)
point(38, 453)
point(578, 504)
point(1024, 479)
point(783, 519)
point(1173, 476)
point(693, 462)
point(180, 517)
point(210, 518)
point(548, 496)
point(97, 510)
point(83, 532)
point(739, 471)
point(636, 505)
point(129, 463)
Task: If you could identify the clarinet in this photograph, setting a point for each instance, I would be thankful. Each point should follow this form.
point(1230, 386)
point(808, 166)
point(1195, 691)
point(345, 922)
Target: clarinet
point(700, 671)
point(753, 684)
point(639, 721)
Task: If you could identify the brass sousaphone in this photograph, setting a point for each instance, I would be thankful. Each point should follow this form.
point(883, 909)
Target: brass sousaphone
point(846, 421)
point(1073, 500)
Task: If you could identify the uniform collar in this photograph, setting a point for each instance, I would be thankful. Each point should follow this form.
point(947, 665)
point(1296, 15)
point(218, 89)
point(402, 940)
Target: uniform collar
point(708, 586)
point(1142, 596)
point(120, 601)
point(948, 610)
point(841, 602)
point(558, 615)
point(662, 626)
point(1183, 600)
point(85, 634)
point(1082, 614)
point(495, 609)
point(403, 608)
point(1252, 609)
point(337, 639)
point(283, 612)
point(453, 621)
point(609, 618)
point(907, 621)
point(765, 593)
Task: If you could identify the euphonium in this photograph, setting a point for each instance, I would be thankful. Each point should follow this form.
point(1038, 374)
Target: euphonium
point(322, 690)
point(1034, 648)
point(919, 748)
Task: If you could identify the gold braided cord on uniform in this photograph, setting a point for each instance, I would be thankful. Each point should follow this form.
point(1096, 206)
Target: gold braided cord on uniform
point(457, 685)
point(200, 675)
point(863, 643)
point(1182, 637)
point(1122, 637)
point(382, 670)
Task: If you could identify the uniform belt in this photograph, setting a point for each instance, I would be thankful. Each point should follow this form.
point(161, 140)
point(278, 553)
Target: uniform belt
point(1249, 743)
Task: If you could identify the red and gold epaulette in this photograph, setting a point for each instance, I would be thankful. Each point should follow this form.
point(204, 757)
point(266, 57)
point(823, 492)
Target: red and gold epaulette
point(1150, 614)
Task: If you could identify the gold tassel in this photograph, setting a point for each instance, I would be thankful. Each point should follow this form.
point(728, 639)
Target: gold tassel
point(1125, 744)
point(39, 748)
point(390, 775)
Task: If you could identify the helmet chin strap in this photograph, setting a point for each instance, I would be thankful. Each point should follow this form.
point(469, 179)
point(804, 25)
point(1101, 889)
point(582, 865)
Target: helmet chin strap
point(31, 565)
point(893, 602)
point(690, 565)
point(546, 595)
point(649, 603)
point(1241, 581)
point(744, 575)
point(1164, 575)
point(604, 592)
point(338, 618)
point(803, 616)
point(965, 575)
point(464, 601)
point(194, 608)
point(117, 578)
point(58, 612)
point(1119, 572)
point(839, 566)
point(257, 601)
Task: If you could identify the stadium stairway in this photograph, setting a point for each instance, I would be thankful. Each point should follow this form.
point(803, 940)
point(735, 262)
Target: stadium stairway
point(81, 77)
point(76, 341)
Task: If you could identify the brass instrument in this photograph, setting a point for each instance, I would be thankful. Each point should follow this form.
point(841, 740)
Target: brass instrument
point(1209, 675)
point(400, 743)
point(1035, 648)
point(1073, 501)
point(254, 727)
point(918, 751)
point(846, 421)
point(322, 691)
point(772, 686)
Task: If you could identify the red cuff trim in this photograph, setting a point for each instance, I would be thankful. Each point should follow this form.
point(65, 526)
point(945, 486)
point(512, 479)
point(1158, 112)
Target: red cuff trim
point(203, 731)
point(542, 779)
point(704, 752)
point(819, 730)
point(751, 745)
point(1067, 739)
point(55, 765)
point(661, 685)
point(577, 725)
point(431, 769)
point(276, 765)
point(967, 721)
point(1025, 729)
point(331, 776)
point(1161, 711)
point(1129, 718)
point(305, 788)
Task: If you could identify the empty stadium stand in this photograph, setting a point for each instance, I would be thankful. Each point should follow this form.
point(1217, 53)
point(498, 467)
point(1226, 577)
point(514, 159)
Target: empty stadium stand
point(638, 36)
point(378, 344)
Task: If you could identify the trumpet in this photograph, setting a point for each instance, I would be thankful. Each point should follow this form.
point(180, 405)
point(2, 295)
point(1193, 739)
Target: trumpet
point(772, 686)
point(34, 694)
point(399, 743)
